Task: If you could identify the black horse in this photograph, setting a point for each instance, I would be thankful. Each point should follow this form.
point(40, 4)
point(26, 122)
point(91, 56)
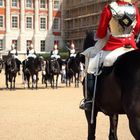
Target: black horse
point(31, 68)
point(10, 71)
point(89, 42)
point(54, 71)
point(118, 90)
point(73, 69)
point(46, 75)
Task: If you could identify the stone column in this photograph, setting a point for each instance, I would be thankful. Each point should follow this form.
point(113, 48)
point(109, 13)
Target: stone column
point(8, 18)
point(8, 24)
point(36, 16)
point(22, 15)
point(50, 16)
point(50, 36)
point(22, 43)
point(36, 33)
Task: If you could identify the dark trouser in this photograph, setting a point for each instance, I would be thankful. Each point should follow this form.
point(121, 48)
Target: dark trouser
point(90, 87)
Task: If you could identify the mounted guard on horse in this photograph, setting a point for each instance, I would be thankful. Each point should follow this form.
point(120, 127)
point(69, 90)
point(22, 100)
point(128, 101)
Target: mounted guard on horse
point(55, 52)
point(12, 66)
point(13, 52)
point(73, 67)
point(72, 51)
point(31, 66)
point(119, 23)
point(116, 91)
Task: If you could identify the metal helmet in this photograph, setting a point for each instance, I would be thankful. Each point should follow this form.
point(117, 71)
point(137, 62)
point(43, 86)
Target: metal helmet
point(55, 46)
point(72, 46)
point(31, 46)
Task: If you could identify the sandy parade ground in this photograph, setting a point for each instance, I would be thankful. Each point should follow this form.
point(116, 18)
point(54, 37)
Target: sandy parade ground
point(49, 114)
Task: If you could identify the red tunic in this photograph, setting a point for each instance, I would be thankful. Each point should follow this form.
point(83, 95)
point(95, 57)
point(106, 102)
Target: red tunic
point(115, 42)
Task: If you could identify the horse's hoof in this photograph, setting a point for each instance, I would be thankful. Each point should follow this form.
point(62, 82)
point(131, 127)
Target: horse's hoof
point(25, 86)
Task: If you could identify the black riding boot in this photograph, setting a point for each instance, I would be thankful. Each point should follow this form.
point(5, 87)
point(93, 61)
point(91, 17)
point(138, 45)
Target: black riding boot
point(86, 103)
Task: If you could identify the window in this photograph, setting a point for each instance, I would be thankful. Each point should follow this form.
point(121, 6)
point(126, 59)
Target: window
point(14, 3)
point(56, 4)
point(1, 2)
point(29, 22)
point(42, 23)
point(56, 24)
point(29, 3)
point(1, 44)
point(1, 21)
point(14, 22)
point(42, 4)
point(42, 44)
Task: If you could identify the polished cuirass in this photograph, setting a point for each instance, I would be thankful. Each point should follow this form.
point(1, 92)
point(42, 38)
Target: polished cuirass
point(55, 52)
point(72, 51)
point(123, 19)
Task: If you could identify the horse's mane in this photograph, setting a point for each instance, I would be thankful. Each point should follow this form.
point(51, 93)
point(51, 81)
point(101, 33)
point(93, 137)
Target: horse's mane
point(89, 40)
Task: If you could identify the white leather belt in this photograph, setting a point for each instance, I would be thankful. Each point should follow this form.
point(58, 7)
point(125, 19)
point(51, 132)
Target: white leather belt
point(124, 35)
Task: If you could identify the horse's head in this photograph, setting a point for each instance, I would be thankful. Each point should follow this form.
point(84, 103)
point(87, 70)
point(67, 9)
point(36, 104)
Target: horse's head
point(39, 63)
point(54, 66)
point(73, 64)
point(11, 64)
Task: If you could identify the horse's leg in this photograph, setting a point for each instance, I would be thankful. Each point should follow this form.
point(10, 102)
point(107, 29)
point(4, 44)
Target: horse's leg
point(91, 127)
point(14, 79)
point(43, 79)
point(57, 80)
point(33, 82)
point(75, 79)
point(36, 80)
point(46, 83)
point(11, 84)
point(25, 81)
point(28, 80)
point(10, 80)
point(134, 124)
point(78, 79)
point(131, 104)
point(66, 79)
point(6, 79)
point(113, 127)
point(53, 81)
point(69, 82)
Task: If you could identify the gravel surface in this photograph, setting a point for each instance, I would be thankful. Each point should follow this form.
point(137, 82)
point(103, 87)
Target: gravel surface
point(49, 114)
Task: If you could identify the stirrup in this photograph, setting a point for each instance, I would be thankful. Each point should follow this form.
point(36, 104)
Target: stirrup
point(86, 105)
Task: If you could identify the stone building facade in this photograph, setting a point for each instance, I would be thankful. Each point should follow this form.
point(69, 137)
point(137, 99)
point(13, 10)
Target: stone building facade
point(80, 16)
point(30, 21)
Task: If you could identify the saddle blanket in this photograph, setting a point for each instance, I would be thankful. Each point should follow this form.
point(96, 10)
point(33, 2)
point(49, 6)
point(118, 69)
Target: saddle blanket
point(107, 58)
